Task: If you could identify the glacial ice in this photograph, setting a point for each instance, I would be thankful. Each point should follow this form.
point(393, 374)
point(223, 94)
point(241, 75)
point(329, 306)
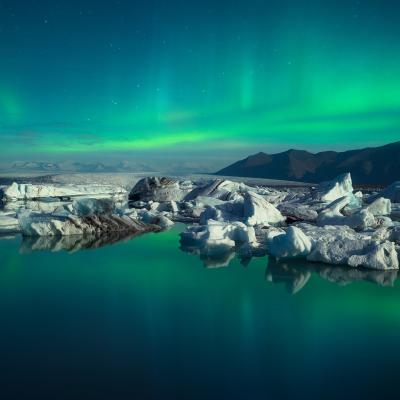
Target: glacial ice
point(22, 191)
point(257, 211)
point(35, 224)
point(298, 212)
point(218, 189)
point(380, 207)
point(328, 224)
point(8, 223)
point(291, 244)
point(343, 245)
point(158, 189)
point(331, 190)
point(83, 216)
point(332, 215)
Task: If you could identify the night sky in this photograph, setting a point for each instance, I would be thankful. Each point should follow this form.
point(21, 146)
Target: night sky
point(202, 80)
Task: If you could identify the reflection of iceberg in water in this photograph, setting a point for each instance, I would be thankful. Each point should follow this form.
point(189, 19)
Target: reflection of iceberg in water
point(73, 243)
point(296, 273)
point(212, 257)
point(344, 276)
point(293, 274)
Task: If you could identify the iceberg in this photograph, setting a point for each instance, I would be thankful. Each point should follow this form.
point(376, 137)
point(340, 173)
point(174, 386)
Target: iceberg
point(84, 216)
point(257, 211)
point(219, 234)
point(9, 223)
point(22, 191)
point(36, 224)
point(158, 189)
point(332, 215)
point(330, 224)
point(218, 189)
point(291, 244)
point(342, 245)
point(331, 190)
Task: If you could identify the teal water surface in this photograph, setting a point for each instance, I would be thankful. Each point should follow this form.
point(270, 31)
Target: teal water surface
point(141, 319)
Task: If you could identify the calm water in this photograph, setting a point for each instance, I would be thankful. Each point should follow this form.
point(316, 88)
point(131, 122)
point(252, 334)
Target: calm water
point(142, 319)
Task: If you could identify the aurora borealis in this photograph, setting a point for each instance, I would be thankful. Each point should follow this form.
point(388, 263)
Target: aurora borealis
point(94, 79)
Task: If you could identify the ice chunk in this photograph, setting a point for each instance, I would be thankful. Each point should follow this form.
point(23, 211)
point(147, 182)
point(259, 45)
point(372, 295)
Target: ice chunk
point(332, 215)
point(166, 206)
point(22, 191)
point(37, 224)
point(154, 218)
point(90, 206)
point(291, 244)
point(378, 256)
point(218, 189)
point(158, 189)
point(342, 245)
point(8, 223)
point(273, 196)
point(380, 206)
point(219, 234)
point(227, 211)
point(257, 211)
point(299, 212)
point(358, 195)
point(216, 242)
point(149, 217)
point(331, 190)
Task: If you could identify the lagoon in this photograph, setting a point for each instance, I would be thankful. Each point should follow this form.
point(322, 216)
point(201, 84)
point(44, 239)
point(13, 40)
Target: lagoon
point(143, 319)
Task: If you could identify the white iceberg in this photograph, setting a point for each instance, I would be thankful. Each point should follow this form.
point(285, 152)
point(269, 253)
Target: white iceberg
point(158, 189)
point(9, 223)
point(84, 216)
point(225, 212)
point(35, 224)
point(331, 190)
point(380, 207)
point(219, 234)
point(257, 211)
point(291, 244)
point(22, 191)
point(218, 189)
point(332, 215)
point(342, 245)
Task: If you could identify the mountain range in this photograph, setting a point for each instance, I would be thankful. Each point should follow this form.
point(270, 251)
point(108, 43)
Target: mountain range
point(372, 165)
point(74, 166)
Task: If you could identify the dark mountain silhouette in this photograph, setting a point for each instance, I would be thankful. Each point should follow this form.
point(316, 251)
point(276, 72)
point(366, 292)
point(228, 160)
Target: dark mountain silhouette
point(375, 165)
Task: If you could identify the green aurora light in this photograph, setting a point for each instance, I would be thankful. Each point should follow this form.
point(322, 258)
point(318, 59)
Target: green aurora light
point(198, 76)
